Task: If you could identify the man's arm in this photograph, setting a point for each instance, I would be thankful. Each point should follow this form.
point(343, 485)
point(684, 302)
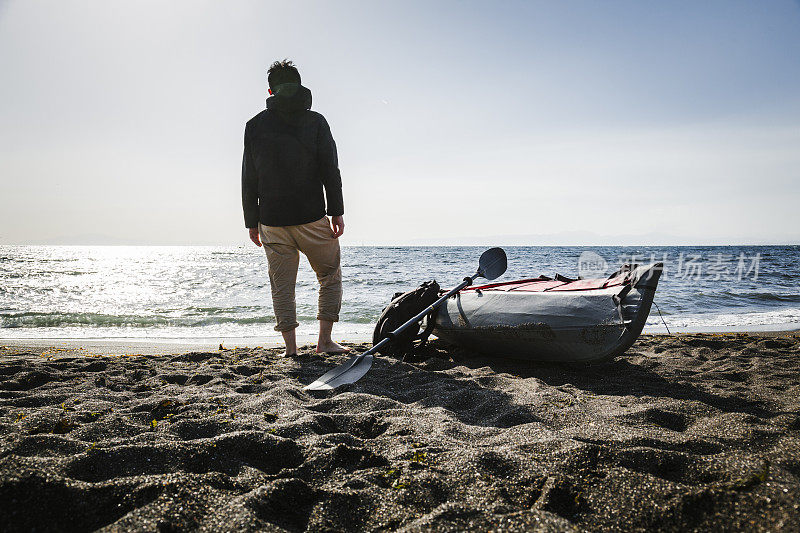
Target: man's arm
point(250, 193)
point(329, 171)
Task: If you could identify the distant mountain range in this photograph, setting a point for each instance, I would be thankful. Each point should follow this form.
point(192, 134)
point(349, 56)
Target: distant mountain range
point(587, 238)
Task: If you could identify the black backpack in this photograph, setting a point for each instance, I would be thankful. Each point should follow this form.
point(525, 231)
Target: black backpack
point(404, 306)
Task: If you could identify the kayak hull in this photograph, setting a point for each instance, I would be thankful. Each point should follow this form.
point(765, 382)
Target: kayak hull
point(573, 321)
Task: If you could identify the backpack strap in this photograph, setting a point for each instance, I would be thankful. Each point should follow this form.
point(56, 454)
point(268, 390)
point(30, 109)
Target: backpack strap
point(430, 323)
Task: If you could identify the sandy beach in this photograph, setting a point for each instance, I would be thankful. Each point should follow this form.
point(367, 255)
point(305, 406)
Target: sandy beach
point(686, 432)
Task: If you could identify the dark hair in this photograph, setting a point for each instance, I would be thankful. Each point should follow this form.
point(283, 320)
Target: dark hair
point(282, 72)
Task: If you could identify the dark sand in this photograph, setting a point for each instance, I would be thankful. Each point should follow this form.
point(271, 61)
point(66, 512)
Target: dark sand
point(692, 432)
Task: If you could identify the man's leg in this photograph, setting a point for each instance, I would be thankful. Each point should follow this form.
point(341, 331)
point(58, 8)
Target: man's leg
point(325, 342)
point(316, 241)
point(290, 341)
point(283, 261)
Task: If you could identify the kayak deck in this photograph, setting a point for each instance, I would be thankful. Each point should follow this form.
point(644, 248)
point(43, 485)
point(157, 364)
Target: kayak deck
point(543, 284)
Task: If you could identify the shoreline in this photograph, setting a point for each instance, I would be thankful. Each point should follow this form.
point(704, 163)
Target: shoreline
point(165, 346)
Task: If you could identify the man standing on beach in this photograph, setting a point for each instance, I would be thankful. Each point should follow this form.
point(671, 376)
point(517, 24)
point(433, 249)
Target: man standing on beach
point(289, 156)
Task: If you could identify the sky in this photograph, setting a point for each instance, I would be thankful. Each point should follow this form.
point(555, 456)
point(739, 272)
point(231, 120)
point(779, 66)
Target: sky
point(456, 122)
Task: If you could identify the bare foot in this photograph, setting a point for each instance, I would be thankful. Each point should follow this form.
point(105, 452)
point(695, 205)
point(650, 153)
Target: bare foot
point(331, 347)
point(287, 354)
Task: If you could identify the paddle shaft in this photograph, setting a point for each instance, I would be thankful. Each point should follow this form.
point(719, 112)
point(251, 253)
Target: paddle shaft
point(491, 265)
point(418, 317)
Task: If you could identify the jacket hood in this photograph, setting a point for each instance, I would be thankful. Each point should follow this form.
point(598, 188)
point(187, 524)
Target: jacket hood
point(298, 102)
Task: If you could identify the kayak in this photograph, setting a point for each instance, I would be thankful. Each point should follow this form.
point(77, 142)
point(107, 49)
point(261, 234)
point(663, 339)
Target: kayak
point(552, 319)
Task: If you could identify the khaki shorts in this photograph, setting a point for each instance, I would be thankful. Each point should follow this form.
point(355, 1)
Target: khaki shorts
point(282, 245)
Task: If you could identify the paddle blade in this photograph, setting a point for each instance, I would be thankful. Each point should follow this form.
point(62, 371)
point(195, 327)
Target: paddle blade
point(344, 374)
point(492, 263)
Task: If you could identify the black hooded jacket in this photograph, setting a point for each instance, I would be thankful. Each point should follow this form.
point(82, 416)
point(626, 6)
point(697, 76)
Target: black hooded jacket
point(289, 155)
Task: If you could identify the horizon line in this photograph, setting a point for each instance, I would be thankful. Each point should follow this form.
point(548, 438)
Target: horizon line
point(418, 245)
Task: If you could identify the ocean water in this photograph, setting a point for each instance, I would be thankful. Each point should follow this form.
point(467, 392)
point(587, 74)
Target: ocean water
point(210, 293)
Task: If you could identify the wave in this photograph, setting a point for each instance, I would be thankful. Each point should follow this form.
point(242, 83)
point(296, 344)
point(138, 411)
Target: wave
point(57, 320)
point(782, 317)
point(763, 296)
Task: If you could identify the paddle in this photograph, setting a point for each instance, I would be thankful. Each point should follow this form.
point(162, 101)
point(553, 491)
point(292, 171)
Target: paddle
point(491, 265)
